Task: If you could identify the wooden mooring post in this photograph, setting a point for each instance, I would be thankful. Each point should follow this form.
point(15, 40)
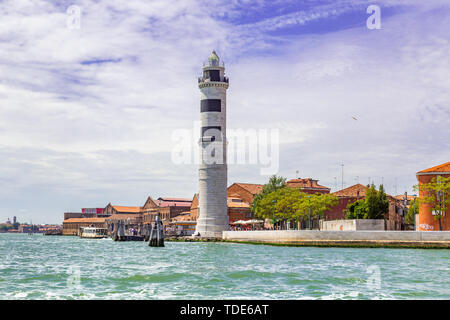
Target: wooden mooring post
point(119, 231)
point(157, 232)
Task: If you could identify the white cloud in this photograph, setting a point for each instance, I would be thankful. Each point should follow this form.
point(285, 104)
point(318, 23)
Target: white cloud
point(95, 133)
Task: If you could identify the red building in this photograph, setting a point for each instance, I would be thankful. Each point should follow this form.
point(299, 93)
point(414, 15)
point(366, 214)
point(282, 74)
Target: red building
point(427, 221)
point(394, 216)
point(92, 210)
point(308, 185)
point(238, 210)
point(244, 191)
point(111, 209)
point(168, 208)
point(345, 196)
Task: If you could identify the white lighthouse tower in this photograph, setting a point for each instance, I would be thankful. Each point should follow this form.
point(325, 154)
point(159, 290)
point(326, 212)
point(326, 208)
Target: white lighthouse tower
point(213, 216)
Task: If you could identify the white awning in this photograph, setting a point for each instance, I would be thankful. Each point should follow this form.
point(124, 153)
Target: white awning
point(254, 221)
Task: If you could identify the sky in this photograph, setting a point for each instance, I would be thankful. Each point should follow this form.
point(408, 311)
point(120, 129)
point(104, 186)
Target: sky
point(89, 107)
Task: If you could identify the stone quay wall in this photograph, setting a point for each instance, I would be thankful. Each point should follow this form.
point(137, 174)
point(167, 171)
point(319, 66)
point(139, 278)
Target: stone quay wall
point(419, 239)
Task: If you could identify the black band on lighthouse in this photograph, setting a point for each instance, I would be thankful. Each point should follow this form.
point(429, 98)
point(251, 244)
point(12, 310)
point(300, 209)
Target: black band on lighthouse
point(210, 105)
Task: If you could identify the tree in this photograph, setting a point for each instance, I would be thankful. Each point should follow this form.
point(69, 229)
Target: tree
point(293, 204)
point(383, 203)
point(278, 203)
point(5, 227)
point(436, 194)
point(410, 217)
point(321, 203)
point(374, 206)
point(275, 183)
point(357, 210)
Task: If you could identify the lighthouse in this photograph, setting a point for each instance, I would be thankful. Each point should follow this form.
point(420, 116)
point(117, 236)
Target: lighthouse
point(212, 217)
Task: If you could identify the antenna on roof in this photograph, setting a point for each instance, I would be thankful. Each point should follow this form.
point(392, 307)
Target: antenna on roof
point(342, 165)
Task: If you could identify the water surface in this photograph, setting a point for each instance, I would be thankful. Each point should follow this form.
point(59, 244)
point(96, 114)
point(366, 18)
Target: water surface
point(55, 267)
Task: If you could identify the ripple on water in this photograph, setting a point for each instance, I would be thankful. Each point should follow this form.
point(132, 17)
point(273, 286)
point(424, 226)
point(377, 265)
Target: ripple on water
point(46, 267)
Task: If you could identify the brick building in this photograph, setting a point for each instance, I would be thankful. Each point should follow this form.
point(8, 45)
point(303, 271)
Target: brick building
point(241, 195)
point(308, 185)
point(71, 226)
point(194, 208)
point(244, 191)
point(427, 222)
point(129, 218)
point(110, 209)
point(95, 217)
point(394, 217)
point(238, 210)
point(169, 208)
point(345, 197)
point(68, 215)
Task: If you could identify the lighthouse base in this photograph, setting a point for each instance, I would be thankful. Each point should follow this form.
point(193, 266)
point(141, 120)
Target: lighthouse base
point(209, 235)
point(212, 214)
point(205, 230)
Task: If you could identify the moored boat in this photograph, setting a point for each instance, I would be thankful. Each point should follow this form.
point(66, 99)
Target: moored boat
point(93, 233)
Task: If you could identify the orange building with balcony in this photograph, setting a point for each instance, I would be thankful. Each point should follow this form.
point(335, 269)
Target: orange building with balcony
point(428, 222)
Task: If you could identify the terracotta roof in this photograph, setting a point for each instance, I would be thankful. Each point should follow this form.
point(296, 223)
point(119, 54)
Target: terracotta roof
point(251, 187)
point(402, 197)
point(127, 209)
point(82, 220)
point(232, 203)
point(352, 191)
point(124, 216)
point(305, 183)
point(445, 167)
point(238, 204)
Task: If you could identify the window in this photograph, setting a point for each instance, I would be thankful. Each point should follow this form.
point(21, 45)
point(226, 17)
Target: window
point(214, 75)
point(213, 132)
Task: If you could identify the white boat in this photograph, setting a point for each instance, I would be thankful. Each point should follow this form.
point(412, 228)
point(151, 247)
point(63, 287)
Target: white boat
point(93, 233)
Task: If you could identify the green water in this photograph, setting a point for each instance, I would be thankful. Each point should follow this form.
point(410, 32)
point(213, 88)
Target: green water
point(54, 267)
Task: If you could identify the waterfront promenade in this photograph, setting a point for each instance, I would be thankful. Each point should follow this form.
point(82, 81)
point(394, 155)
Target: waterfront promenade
point(412, 239)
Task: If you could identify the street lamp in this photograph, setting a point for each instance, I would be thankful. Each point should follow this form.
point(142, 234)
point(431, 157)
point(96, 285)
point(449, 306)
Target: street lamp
point(309, 208)
point(273, 219)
